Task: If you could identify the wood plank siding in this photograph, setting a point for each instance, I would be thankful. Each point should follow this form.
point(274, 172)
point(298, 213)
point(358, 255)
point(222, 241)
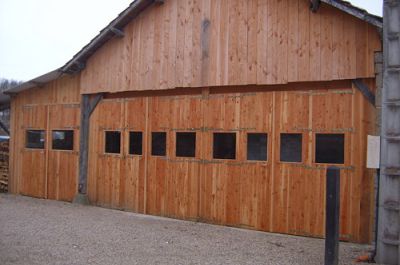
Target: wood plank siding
point(237, 42)
point(270, 196)
point(204, 66)
point(45, 173)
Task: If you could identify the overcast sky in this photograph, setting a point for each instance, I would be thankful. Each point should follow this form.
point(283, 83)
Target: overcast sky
point(38, 36)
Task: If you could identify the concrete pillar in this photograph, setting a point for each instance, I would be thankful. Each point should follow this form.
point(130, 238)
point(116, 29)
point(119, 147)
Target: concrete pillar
point(388, 251)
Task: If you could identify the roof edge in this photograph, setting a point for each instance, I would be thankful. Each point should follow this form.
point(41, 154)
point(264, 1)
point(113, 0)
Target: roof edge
point(356, 11)
point(38, 81)
point(77, 63)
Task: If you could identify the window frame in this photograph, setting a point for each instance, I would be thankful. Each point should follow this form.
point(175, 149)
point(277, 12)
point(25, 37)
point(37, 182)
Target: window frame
point(129, 143)
point(195, 144)
point(62, 150)
point(105, 143)
point(315, 149)
point(236, 146)
point(247, 146)
point(166, 144)
point(302, 149)
point(33, 148)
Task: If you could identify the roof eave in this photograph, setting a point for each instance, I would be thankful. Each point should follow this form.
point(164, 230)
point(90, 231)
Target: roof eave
point(38, 81)
point(77, 63)
point(357, 12)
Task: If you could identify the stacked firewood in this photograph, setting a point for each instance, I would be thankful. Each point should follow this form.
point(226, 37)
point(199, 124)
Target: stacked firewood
point(4, 150)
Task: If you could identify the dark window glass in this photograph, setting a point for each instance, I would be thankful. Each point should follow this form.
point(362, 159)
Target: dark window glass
point(329, 148)
point(291, 147)
point(257, 146)
point(63, 140)
point(185, 144)
point(224, 146)
point(113, 142)
point(135, 143)
point(158, 143)
point(35, 139)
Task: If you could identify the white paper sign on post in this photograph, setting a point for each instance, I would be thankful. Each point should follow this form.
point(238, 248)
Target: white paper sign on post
point(373, 152)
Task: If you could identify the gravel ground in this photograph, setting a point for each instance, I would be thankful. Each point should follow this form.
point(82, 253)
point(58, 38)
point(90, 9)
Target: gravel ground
point(41, 232)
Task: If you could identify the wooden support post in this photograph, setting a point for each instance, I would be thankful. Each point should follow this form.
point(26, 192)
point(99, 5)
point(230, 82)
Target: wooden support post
point(87, 108)
point(332, 216)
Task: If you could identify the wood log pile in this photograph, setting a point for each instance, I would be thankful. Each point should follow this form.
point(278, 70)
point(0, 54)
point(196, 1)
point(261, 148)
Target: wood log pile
point(4, 154)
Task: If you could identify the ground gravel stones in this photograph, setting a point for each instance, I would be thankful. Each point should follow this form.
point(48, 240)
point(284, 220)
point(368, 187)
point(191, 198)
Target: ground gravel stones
point(34, 231)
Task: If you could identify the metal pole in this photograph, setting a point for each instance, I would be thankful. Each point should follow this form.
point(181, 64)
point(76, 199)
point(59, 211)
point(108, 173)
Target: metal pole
point(332, 216)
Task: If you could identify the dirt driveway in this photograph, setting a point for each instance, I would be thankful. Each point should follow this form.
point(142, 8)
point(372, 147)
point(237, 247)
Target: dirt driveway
point(42, 232)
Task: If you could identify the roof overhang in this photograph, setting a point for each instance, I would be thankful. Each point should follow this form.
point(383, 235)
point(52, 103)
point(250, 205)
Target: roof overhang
point(355, 11)
point(36, 82)
point(77, 63)
point(115, 28)
point(4, 101)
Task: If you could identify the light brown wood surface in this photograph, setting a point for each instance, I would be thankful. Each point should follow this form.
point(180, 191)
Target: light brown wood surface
point(240, 66)
point(45, 173)
point(270, 196)
point(237, 42)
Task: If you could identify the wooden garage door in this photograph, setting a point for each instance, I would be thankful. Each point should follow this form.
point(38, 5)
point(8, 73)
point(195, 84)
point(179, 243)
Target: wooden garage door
point(173, 182)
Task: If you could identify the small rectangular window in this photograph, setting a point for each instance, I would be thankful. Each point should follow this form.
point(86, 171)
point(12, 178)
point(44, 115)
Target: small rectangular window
point(257, 144)
point(63, 140)
point(224, 146)
point(185, 144)
point(35, 139)
point(135, 143)
point(158, 143)
point(113, 142)
point(329, 148)
point(291, 147)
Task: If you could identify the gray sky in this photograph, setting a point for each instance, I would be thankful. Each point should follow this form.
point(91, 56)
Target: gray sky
point(38, 36)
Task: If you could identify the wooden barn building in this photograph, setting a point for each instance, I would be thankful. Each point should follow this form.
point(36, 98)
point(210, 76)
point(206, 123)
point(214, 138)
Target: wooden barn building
point(225, 112)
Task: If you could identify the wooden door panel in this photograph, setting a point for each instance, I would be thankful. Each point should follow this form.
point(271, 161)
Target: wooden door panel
point(172, 182)
point(33, 174)
point(33, 178)
point(134, 165)
point(62, 175)
point(63, 164)
point(109, 177)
